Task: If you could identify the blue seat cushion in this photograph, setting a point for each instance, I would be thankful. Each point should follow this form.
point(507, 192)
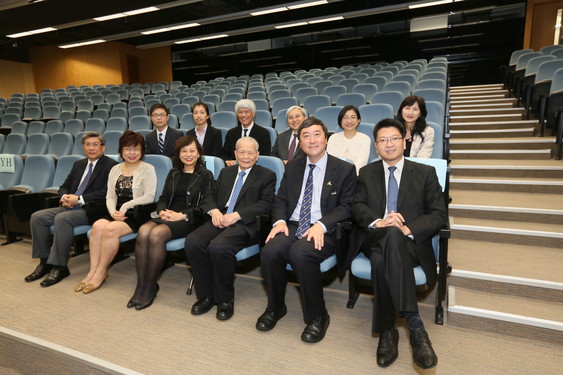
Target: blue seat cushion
point(361, 268)
point(326, 264)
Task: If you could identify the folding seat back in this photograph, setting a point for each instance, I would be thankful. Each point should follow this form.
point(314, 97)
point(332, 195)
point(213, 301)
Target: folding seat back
point(15, 144)
point(61, 144)
point(37, 144)
point(224, 119)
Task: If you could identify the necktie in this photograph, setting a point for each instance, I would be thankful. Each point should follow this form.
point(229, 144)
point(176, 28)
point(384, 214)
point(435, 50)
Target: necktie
point(392, 191)
point(245, 133)
point(291, 152)
point(305, 213)
point(84, 182)
point(161, 142)
point(236, 192)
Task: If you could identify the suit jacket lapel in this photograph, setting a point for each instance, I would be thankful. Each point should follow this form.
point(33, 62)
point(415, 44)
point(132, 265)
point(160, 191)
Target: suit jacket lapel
point(406, 181)
point(379, 184)
point(327, 183)
point(249, 181)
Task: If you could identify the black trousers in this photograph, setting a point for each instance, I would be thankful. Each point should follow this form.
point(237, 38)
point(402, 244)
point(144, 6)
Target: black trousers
point(211, 252)
point(305, 261)
point(392, 257)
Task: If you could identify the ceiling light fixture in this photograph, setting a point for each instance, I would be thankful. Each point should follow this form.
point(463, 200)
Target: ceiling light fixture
point(202, 38)
point(432, 3)
point(326, 20)
point(312, 22)
point(171, 28)
point(291, 25)
point(309, 4)
point(32, 32)
point(268, 11)
point(125, 14)
point(289, 7)
point(83, 43)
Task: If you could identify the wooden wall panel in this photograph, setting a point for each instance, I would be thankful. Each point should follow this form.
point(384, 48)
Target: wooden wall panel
point(540, 23)
point(15, 77)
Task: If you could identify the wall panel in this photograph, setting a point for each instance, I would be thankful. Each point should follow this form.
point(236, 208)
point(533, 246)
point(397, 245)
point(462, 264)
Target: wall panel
point(15, 77)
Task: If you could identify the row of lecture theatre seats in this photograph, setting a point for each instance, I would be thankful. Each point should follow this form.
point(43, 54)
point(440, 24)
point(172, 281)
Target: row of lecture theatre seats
point(536, 80)
point(39, 172)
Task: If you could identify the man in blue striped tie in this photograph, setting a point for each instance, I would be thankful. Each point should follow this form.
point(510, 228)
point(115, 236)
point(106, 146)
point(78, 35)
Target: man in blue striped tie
point(316, 192)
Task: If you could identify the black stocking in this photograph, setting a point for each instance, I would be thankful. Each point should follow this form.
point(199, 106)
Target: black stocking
point(156, 256)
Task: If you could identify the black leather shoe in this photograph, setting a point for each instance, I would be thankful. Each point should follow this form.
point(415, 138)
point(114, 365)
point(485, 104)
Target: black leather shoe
point(56, 274)
point(202, 306)
point(422, 352)
point(40, 271)
point(388, 347)
point(268, 320)
point(144, 304)
point(316, 329)
point(225, 310)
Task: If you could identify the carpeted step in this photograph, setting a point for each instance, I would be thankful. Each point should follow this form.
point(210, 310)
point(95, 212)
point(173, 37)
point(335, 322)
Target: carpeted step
point(493, 133)
point(486, 117)
point(544, 154)
point(456, 112)
point(483, 125)
point(512, 143)
point(505, 184)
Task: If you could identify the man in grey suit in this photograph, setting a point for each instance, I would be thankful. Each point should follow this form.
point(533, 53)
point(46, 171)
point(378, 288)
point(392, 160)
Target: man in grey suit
point(287, 143)
point(162, 139)
point(398, 208)
point(86, 182)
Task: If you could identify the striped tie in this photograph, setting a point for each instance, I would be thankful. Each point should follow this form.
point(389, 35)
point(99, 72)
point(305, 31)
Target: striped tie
point(236, 192)
point(392, 191)
point(161, 142)
point(305, 213)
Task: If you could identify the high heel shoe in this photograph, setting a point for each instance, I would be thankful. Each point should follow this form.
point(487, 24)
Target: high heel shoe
point(144, 304)
point(80, 286)
point(132, 303)
point(89, 288)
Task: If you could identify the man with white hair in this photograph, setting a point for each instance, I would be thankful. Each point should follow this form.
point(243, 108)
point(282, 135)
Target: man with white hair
point(287, 143)
point(246, 110)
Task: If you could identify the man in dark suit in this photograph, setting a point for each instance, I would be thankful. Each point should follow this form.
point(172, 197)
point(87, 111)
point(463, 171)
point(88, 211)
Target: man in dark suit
point(398, 208)
point(162, 139)
point(287, 143)
point(86, 182)
point(241, 193)
point(316, 192)
point(246, 110)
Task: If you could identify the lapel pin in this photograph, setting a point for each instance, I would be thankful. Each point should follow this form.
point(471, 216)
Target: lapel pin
point(329, 183)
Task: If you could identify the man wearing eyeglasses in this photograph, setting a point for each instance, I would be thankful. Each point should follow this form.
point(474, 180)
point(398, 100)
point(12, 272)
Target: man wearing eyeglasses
point(398, 208)
point(162, 139)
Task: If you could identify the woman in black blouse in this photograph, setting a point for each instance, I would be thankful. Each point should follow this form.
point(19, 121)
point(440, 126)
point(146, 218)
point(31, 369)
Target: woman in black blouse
point(178, 214)
point(208, 136)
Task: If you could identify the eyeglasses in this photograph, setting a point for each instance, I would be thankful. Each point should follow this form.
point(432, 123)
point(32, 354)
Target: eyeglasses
point(384, 141)
point(159, 115)
point(349, 118)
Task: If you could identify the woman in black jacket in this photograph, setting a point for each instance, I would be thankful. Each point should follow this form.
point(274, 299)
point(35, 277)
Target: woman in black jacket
point(178, 214)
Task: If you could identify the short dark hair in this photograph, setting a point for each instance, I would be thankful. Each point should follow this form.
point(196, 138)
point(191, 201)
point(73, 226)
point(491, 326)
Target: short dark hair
point(131, 139)
point(346, 109)
point(310, 122)
point(205, 107)
point(157, 106)
point(389, 123)
point(94, 135)
point(183, 142)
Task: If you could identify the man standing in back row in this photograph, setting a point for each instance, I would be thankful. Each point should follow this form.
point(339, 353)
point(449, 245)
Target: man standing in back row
point(162, 139)
point(399, 207)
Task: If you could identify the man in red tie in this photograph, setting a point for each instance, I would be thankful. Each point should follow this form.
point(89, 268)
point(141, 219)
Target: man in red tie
point(287, 144)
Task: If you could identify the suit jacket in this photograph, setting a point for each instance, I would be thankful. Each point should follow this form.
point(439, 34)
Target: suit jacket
point(212, 142)
point(98, 183)
point(420, 148)
point(420, 201)
point(281, 147)
point(170, 139)
point(194, 193)
point(258, 132)
point(255, 198)
point(337, 194)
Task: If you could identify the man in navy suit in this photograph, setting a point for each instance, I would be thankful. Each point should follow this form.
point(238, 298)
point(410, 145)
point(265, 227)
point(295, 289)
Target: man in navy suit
point(162, 139)
point(246, 110)
point(86, 182)
point(316, 192)
point(241, 193)
point(398, 208)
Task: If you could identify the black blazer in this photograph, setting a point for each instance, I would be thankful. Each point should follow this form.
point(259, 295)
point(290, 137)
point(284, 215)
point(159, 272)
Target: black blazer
point(98, 183)
point(194, 193)
point(170, 139)
point(337, 193)
point(281, 146)
point(420, 201)
point(255, 198)
point(212, 142)
point(258, 132)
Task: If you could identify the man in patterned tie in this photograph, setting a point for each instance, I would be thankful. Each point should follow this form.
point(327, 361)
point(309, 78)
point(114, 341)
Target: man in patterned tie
point(286, 146)
point(86, 182)
point(316, 192)
point(398, 208)
point(163, 138)
point(241, 193)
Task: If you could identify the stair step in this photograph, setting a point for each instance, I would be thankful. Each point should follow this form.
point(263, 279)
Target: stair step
point(472, 93)
point(506, 199)
point(504, 234)
point(487, 111)
point(483, 125)
point(457, 106)
point(483, 212)
point(476, 118)
point(496, 86)
point(498, 101)
point(528, 143)
point(494, 318)
point(493, 133)
point(495, 170)
point(476, 96)
point(501, 154)
point(548, 186)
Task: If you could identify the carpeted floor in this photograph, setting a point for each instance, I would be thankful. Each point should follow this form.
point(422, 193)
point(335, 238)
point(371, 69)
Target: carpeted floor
point(167, 339)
